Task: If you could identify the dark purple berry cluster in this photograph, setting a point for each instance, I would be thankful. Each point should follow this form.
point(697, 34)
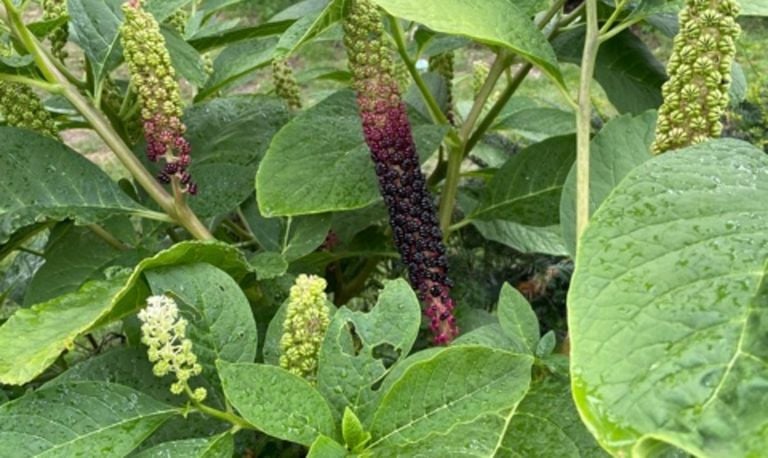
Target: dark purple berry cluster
point(389, 136)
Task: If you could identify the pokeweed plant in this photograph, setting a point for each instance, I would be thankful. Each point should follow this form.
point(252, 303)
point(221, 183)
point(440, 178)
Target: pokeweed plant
point(312, 314)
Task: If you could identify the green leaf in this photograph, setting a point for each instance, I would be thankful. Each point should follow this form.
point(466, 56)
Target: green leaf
point(518, 319)
point(449, 389)
point(319, 162)
point(185, 59)
point(526, 239)
point(229, 136)
point(95, 26)
point(667, 308)
point(74, 255)
point(292, 237)
point(236, 61)
point(355, 436)
point(44, 179)
point(221, 446)
point(626, 69)
point(546, 345)
point(79, 419)
point(325, 447)
point(163, 9)
point(489, 335)
point(620, 146)
point(754, 7)
point(349, 366)
point(493, 22)
point(538, 123)
point(547, 424)
point(277, 402)
point(308, 26)
point(269, 265)
point(527, 188)
point(33, 338)
point(221, 324)
point(129, 367)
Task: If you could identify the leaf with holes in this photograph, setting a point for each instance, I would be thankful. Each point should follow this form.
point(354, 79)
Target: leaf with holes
point(668, 308)
point(360, 347)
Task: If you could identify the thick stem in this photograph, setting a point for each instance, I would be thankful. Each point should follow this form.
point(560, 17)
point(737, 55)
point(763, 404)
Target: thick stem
point(451, 188)
point(48, 87)
point(110, 239)
point(583, 118)
point(183, 215)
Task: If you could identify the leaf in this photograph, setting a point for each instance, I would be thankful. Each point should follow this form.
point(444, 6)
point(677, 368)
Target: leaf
point(547, 424)
point(268, 265)
point(546, 345)
point(33, 338)
point(354, 434)
point(163, 9)
point(518, 319)
point(325, 447)
point(493, 22)
point(129, 367)
point(45, 179)
point(625, 68)
point(221, 324)
point(451, 388)
point(74, 255)
point(185, 59)
point(238, 60)
point(667, 307)
point(308, 26)
point(229, 136)
point(539, 123)
point(95, 26)
point(277, 402)
point(349, 365)
point(527, 188)
point(221, 446)
point(526, 239)
point(621, 145)
point(754, 7)
point(79, 419)
point(292, 237)
point(319, 162)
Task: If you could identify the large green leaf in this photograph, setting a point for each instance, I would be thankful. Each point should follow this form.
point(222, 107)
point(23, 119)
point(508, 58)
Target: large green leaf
point(668, 309)
point(277, 402)
point(625, 68)
point(527, 188)
point(229, 137)
point(221, 324)
point(221, 446)
point(494, 22)
point(44, 179)
point(538, 123)
point(79, 419)
point(448, 389)
point(319, 162)
point(547, 424)
point(95, 27)
point(33, 338)
point(621, 145)
point(129, 367)
point(360, 347)
point(527, 239)
point(74, 255)
point(185, 59)
point(754, 7)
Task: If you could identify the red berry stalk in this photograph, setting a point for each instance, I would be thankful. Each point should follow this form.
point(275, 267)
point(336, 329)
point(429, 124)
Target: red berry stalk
point(154, 78)
point(388, 134)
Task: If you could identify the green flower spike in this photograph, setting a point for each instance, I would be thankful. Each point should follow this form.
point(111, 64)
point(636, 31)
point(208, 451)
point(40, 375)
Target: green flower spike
point(304, 328)
point(286, 86)
point(52, 10)
point(163, 331)
point(442, 64)
point(21, 107)
point(696, 94)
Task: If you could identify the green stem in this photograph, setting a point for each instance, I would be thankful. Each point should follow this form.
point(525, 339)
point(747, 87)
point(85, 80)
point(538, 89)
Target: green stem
point(614, 16)
point(617, 30)
point(153, 215)
point(107, 237)
point(52, 88)
point(497, 70)
point(228, 417)
point(583, 118)
point(490, 117)
point(451, 188)
point(434, 108)
point(181, 213)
